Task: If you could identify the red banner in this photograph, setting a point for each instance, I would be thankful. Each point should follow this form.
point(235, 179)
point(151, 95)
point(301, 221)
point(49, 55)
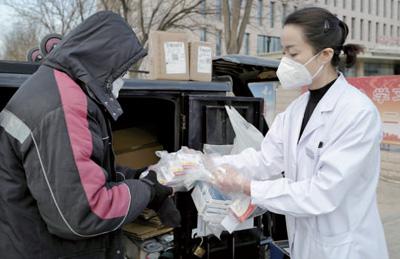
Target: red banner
point(384, 91)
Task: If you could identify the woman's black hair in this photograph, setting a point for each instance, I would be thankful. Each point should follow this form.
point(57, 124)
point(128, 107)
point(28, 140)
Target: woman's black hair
point(323, 30)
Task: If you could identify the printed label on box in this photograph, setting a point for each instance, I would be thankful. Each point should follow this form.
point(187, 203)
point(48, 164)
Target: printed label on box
point(175, 59)
point(204, 56)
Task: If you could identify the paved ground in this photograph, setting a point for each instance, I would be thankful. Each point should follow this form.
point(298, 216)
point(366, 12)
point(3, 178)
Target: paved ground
point(389, 206)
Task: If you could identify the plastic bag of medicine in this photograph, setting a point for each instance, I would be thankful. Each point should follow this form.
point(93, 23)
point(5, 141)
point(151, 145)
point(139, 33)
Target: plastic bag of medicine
point(246, 136)
point(243, 209)
point(181, 169)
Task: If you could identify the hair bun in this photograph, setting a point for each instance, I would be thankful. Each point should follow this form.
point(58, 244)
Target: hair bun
point(351, 51)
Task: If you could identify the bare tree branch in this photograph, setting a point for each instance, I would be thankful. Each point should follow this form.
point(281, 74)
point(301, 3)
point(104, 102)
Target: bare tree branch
point(235, 23)
point(178, 16)
point(141, 18)
point(245, 21)
point(227, 22)
point(125, 9)
point(51, 16)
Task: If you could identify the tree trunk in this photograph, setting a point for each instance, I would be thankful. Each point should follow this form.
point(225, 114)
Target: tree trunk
point(234, 24)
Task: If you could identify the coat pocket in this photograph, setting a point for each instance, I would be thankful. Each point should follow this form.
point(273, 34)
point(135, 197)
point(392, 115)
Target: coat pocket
point(331, 247)
point(313, 154)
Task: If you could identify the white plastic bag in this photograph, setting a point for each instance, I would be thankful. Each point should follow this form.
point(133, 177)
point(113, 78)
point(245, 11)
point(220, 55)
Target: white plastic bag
point(181, 169)
point(214, 213)
point(246, 135)
point(217, 149)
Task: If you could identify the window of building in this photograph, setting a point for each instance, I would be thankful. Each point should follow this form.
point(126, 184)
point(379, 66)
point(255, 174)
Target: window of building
point(353, 5)
point(274, 44)
point(344, 4)
point(203, 34)
point(361, 5)
point(391, 31)
point(262, 44)
point(284, 12)
point(272, 13)
point(369, 30)
point(267, 44)
point(373, 69)
point(362, 29)
point(384, 29)
point(398, 10)
point(353, 26)
point(219, 43)
point(377, 7)
point(398, 35)
point(203, 7)
point(326, 2)
point(384, 8)
point(295, 8)
point(218, 9)
point(259, 12)
point(349, 72)
point(344, 19)
point(369, 6)
point(391, 8)
point(377, 32)
point(334, 3)
point(246, 43)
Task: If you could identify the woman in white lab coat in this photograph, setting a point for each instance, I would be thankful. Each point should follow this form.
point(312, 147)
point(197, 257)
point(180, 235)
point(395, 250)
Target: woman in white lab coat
point(328, 144)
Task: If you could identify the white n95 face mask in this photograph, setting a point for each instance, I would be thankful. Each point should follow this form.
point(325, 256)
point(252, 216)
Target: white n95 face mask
point(293, 74)
point(116, 86)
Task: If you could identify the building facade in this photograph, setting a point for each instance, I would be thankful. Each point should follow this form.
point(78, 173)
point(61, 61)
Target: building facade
point(375, 24)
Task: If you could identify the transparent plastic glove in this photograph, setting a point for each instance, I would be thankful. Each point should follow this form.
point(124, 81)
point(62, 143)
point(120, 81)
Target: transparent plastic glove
point(189, 150)
point(229, 180)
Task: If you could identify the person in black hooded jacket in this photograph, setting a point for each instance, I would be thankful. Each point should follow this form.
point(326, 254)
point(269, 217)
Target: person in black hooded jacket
point(60, 195)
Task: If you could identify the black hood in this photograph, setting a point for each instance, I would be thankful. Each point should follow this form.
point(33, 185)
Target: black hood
point(97, 52)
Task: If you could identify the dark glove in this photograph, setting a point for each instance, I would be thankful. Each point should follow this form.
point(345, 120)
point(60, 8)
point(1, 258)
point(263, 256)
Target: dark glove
point(159, 192)
point(169, 214)
point(129, 173)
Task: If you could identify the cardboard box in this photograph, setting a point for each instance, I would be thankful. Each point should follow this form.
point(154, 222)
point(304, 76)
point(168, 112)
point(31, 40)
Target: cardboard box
point(169, 56)
point(131, 139)
point(200, 61)
point(139, 158)
point(143, 232)
point(135, 147)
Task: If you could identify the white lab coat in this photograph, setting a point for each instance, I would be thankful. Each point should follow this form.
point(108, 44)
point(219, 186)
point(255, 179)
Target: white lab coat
point(328, 194)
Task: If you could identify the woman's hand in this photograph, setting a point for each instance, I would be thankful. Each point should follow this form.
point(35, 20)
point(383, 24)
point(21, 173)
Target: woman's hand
point(228, 180)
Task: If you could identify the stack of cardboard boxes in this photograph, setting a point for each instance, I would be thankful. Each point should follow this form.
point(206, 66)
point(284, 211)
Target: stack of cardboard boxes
point(173, 57)
point(135, 147)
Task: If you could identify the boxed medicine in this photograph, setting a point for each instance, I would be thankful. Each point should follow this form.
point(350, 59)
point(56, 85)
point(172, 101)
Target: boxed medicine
point(200, 61)
point(169, 55)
